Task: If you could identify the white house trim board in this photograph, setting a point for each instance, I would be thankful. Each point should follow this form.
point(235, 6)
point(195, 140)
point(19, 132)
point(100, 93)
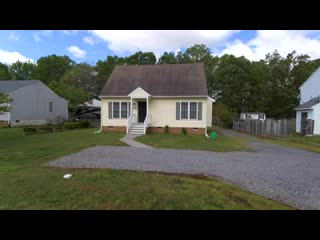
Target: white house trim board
point(138, 89)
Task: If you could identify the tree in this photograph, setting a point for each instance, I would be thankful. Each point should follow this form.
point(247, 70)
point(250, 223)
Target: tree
point(22, 70)
point(140, 58)
point(4, 100)
point(168, 58)
point(4, 72)
point(75, 95)
point(104, 69)
point(52, 68)
point(197, 53)
point(84, 76)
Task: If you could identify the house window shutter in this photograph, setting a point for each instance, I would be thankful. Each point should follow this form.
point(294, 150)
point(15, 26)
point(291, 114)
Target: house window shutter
point(177, 110)
point(199, 110)
point(110, 110)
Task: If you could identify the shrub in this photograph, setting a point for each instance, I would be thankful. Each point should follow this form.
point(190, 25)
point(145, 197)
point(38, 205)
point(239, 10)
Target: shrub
point(184, 131)
point(29, 130)
point(84, 123)
point(166, 129)
point(71, 125)
point(48, 128)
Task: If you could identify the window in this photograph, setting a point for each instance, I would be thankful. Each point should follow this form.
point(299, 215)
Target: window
point(116, 109)
point(50, 106)
point(261, 116)
point(189, 110)
point(193, 110)
point(124, 110)
point(184, 110)
point(119, 110)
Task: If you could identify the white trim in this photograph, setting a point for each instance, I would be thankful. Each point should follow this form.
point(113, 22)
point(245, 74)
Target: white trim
point(211, 99)
point(138, 88)
point(112, 102)
point(197, 110)
point(159, 96)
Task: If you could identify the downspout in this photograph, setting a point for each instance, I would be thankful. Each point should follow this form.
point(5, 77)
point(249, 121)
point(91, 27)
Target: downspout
point(206, 133)
point(99, 131)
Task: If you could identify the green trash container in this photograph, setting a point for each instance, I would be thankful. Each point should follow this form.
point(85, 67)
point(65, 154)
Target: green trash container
point(213, 135)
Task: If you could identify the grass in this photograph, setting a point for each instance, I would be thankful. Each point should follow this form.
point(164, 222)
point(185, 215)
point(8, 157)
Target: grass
point(195, 142)
point(26, 184)
point(298, 141)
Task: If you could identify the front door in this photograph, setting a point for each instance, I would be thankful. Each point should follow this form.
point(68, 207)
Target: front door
point(142, 111)
point(304, 117)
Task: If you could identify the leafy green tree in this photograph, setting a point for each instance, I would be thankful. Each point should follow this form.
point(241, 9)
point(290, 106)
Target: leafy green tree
point(4, 100)
point(168, 58)
point(52, 68)
point(22, 70)
point(197, 53)
point(82, 75)
point(75, 95)
point(140, 58)
point(4, 72)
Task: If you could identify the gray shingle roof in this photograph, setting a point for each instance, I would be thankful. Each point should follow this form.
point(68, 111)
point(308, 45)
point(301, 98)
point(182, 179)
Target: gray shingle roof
point(9, 86)
point(158, 80)
point(309, 104)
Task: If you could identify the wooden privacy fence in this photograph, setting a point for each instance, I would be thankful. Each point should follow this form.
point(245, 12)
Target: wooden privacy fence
point(268, 127)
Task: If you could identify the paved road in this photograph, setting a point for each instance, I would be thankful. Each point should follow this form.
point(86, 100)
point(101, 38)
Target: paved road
point(285, 174)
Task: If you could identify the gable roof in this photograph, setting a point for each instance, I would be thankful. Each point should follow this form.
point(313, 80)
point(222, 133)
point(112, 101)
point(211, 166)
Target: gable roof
point(314, 73)
point(157, 80)
point(11, 85)
point(309, 104)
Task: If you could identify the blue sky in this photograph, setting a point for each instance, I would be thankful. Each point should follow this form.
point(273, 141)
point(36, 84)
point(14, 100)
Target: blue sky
point(92, 45)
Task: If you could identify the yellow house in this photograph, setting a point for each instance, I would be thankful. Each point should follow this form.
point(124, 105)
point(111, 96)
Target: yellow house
point(140, 99)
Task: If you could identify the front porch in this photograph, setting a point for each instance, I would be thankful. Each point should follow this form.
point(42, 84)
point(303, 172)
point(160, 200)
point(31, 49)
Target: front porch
point(139, 119)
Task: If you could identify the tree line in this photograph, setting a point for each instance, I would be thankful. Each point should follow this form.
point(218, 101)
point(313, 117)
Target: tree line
point(270, 85)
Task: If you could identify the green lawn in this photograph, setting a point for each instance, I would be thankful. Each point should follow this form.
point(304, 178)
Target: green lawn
point(178, 141)
point(25, 184)
point(298, 141)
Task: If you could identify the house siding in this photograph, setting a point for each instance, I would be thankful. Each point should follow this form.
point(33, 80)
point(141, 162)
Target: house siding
point(162, 112)
point(30, 105)
point(311, 87)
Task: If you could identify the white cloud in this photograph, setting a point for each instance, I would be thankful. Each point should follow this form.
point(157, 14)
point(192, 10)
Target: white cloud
point(90, 40)
point(45, 33)
point(158, 41)
point(285, 41)
point(69, 32)
point(77, 52)
point(14, 36)
point(12, 57)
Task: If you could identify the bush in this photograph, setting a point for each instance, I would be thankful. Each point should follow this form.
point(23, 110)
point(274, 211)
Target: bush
point(84, 123)
point(166, 129)
point(47, 128)
point(71, 125)
point(29, 130)
point(184, 131)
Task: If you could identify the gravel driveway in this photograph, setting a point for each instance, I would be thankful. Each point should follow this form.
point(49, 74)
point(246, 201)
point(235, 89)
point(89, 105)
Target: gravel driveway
point(285, 174)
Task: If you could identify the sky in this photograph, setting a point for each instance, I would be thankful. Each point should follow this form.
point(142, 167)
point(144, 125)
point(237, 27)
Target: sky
point(92, 45)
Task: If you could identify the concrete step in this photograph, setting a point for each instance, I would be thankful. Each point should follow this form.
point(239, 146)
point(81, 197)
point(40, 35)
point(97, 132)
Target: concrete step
point(136, 128)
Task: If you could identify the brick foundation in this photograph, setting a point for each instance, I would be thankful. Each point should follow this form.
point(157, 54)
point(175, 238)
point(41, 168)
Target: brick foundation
point(4, 124)
point(114, 128)
point(177, 130)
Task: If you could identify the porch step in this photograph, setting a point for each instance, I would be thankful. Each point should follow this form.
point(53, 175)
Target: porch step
point(139, 132)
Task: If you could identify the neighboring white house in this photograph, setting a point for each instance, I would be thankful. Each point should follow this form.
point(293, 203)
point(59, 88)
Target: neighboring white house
point(147, 98)
point(253, 116)
point(309, 103)
point(33, 104)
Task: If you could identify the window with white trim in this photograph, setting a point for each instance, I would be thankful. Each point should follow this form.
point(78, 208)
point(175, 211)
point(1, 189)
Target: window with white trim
point(193, 110)
point(124, 109)
point(116, 109)
point(184, 110)
point(189, 111)
point(120, 109)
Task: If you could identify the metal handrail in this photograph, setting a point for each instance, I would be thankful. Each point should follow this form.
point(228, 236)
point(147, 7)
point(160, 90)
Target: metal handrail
point(132, 116)
point(146, 123)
